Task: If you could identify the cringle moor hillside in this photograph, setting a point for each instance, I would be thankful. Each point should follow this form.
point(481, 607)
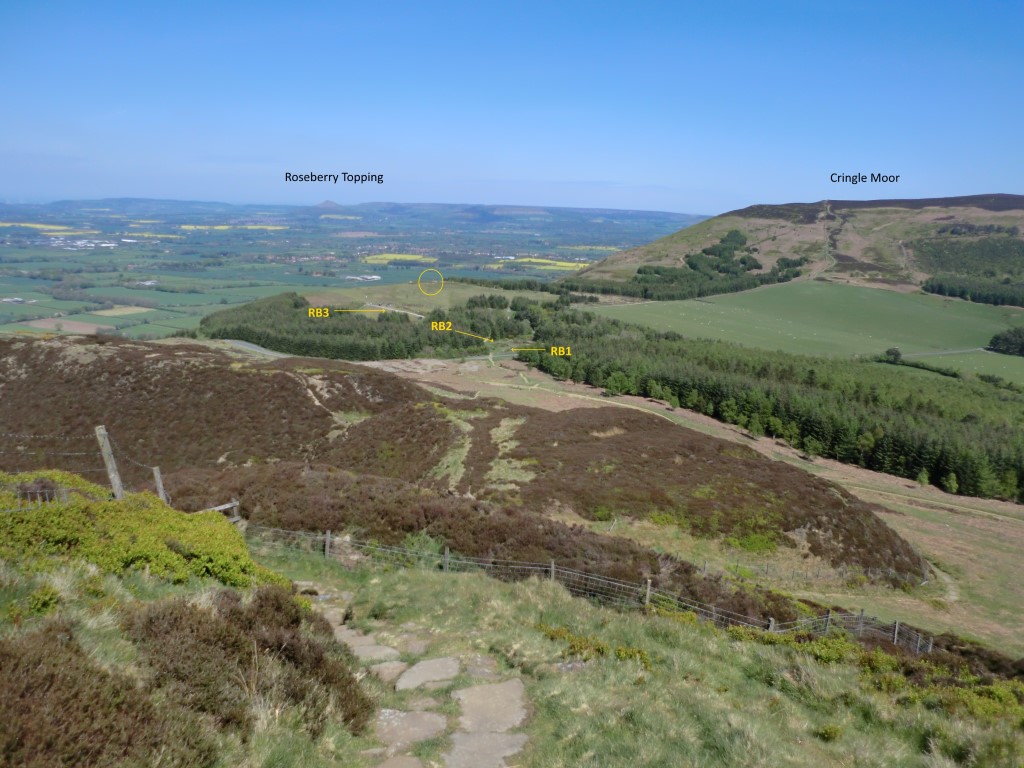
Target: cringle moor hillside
point(897, 243)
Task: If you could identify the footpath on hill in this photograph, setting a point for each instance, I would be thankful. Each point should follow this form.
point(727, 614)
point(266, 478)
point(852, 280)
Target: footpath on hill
point(489, 709)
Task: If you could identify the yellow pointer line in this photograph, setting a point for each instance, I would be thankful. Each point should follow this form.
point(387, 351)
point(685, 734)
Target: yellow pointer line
point(360, 310)
point(529, 349)
point(474, 336)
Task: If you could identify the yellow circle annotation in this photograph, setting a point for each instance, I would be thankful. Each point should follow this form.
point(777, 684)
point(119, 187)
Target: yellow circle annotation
point(420, 285)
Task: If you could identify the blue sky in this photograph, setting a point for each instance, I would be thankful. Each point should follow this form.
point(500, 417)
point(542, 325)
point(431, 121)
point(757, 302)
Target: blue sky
point(689, 107)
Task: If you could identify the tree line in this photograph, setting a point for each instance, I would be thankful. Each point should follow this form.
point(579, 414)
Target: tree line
point(282, 323)
point(983, 290)
point(1010, 342)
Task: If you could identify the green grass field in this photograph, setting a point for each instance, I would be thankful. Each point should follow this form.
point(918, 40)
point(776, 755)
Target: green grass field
point(1006, 366)
point(829, 319)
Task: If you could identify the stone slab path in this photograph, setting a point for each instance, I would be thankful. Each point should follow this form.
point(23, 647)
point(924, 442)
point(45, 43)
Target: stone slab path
point(489, 710)
point(493, 708)
point(441, 670)
point(401, 730)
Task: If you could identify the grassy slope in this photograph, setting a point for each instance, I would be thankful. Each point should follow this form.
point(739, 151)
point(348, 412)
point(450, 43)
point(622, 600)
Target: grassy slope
point(707, 699)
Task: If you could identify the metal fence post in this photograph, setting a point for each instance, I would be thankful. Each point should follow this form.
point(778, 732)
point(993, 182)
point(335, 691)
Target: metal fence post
point(446, 555)
point(327, 544)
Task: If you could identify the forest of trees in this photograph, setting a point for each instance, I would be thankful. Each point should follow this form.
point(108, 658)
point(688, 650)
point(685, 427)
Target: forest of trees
point(991, 257)
point(982, 290)
point(282, 323)
point(986, 270)
point(957, 434)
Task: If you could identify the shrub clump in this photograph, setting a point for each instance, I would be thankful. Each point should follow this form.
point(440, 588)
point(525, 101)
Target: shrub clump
point(581, 646)
point(829, 732)
point(588, 647)
point(833, 648)
point(226, 659)
point(138, 532)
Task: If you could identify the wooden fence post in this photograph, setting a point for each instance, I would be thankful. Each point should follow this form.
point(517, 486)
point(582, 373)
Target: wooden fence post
point(931, 642)
point(159, 481)
point(108, 460)
point(647, 595)
point(327, 544)
point(771, 624)
point(828, 621)
point(551, 572)
point(446, 555)
point(895, 632)
point(860, 623)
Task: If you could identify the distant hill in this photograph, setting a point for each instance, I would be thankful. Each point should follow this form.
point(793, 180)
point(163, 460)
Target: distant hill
point(882, 242)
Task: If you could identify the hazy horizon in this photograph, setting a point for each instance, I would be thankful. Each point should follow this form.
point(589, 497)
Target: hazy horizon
point(660, 107)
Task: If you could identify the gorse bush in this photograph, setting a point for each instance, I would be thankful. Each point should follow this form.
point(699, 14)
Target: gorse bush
point(139, 532)
point(588, 647)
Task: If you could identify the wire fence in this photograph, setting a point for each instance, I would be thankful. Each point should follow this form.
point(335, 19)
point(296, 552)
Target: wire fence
point(17, 498)
point(581, 584)
point(620, 594)
point(30, 452)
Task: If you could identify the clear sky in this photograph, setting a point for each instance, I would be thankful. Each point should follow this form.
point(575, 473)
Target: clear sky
point(696, 107)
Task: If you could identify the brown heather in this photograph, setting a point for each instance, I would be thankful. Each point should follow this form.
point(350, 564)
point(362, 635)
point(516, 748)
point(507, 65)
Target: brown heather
point(220, 661)
point(186, 406)
point(59, 708)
